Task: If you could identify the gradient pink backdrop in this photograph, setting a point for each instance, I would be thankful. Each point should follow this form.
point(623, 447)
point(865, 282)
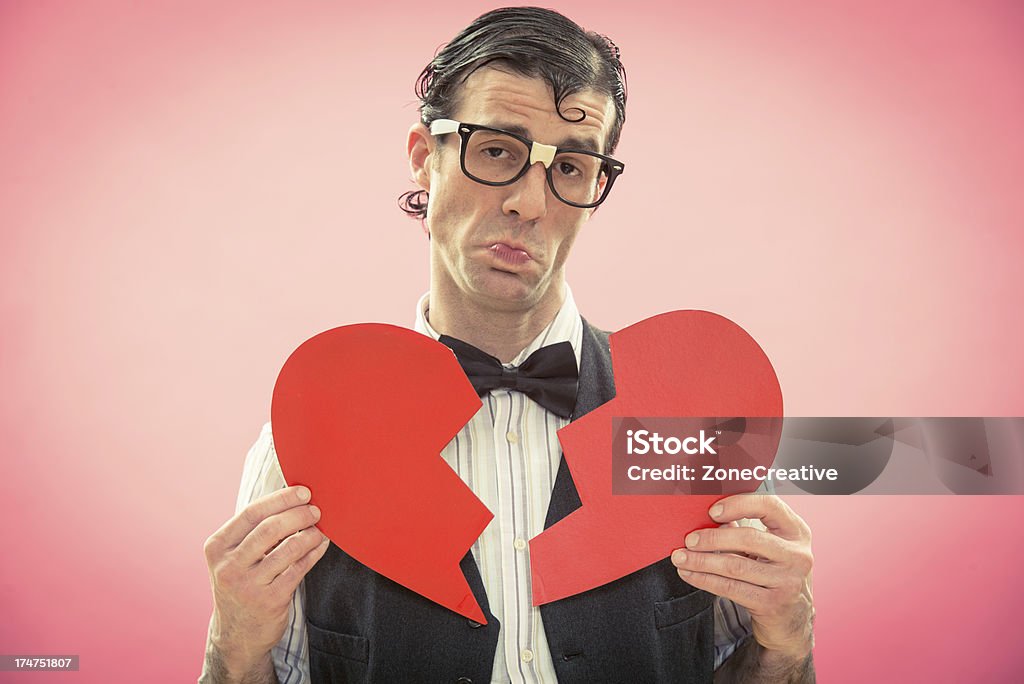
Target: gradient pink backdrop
point(189, 190)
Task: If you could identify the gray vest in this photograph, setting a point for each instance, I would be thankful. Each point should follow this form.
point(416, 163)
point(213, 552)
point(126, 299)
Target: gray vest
point(649, 626)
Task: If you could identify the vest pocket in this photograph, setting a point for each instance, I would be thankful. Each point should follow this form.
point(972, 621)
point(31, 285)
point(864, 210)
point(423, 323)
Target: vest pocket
point(674, 611)
point(335, 643)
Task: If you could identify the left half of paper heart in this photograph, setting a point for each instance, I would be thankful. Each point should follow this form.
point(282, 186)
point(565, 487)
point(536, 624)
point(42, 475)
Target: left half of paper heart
point(360, 415)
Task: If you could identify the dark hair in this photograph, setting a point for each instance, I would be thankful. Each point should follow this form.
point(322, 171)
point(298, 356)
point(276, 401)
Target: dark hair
point(530, 41)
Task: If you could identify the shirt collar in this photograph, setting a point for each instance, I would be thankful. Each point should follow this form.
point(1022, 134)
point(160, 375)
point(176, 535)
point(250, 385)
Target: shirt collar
point(566, 326)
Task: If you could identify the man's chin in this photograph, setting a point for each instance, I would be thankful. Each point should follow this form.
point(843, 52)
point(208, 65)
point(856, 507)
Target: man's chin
point(507, 291)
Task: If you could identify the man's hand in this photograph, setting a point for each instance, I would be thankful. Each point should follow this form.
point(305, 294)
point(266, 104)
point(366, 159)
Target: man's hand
point(768, 573)
point(256, 561)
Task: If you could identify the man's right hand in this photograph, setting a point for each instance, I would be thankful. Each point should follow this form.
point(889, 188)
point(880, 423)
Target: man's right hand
point(256, 561)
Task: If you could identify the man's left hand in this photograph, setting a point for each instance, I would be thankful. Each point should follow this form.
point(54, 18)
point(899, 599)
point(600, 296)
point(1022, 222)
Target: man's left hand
point(767, 572)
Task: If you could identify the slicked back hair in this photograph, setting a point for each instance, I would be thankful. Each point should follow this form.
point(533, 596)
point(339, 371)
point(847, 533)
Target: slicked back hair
point(532, 42)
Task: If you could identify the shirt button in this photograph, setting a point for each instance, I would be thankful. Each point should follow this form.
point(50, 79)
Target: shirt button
point(526, 655)
point(520, 544)
point(512, 437)
point(463, 680)
point(474, 624)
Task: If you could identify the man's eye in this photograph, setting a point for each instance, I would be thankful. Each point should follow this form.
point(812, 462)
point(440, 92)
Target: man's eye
point(567, 169)
point(496, 152)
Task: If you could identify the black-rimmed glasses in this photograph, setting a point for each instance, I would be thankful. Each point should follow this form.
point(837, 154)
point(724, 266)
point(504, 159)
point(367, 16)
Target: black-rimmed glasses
point(491, 156)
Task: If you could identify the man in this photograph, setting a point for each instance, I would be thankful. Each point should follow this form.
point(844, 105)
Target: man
point(520, 114)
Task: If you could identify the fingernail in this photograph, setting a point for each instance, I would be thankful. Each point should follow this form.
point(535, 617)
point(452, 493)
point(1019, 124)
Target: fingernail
point(315, 511)
point(685, 573)
point(692, 539)
point(716, 510)
point(678, 557)
point(303, 494)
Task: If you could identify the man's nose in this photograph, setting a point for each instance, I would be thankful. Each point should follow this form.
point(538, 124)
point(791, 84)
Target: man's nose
point(528, 196)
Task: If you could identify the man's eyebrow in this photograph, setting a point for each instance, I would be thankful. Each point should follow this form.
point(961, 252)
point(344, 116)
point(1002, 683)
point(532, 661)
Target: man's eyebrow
point(570, 143)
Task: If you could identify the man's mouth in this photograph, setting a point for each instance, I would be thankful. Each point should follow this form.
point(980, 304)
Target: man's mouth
point(508, 254)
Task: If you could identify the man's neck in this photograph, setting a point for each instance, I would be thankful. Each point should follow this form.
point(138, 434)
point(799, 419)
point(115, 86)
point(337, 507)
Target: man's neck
point(500, 333)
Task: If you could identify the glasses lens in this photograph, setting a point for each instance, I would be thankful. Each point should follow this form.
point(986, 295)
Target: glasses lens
point(495, 157)
point(579, 177)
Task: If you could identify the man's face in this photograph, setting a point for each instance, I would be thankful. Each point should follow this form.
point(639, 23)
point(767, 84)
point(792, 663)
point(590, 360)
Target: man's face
point(504, 248)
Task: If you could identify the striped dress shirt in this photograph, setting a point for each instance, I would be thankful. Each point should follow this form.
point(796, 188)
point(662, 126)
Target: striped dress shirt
point(508, 455)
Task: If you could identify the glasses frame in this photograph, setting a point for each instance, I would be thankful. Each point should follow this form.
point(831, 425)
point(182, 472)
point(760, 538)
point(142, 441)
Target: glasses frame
point(539, 152)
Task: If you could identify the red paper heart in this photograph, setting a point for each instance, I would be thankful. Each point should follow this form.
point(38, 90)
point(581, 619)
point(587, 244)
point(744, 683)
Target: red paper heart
point(360, 415)
point(684, 363)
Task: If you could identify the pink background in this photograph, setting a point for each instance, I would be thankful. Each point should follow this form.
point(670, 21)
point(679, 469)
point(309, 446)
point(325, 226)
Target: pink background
point(189, 190)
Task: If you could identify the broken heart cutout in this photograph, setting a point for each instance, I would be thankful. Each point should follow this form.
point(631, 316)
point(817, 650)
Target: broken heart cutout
point(678, 364)
point(360, 415)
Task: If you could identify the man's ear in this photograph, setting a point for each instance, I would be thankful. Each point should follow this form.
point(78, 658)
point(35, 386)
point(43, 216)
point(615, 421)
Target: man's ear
point(420, 147)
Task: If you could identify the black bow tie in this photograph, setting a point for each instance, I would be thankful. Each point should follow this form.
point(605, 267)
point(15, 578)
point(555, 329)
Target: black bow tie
point(549, 375)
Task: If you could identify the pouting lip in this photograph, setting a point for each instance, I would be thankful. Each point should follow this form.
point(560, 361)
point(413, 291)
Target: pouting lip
point(510, 244)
